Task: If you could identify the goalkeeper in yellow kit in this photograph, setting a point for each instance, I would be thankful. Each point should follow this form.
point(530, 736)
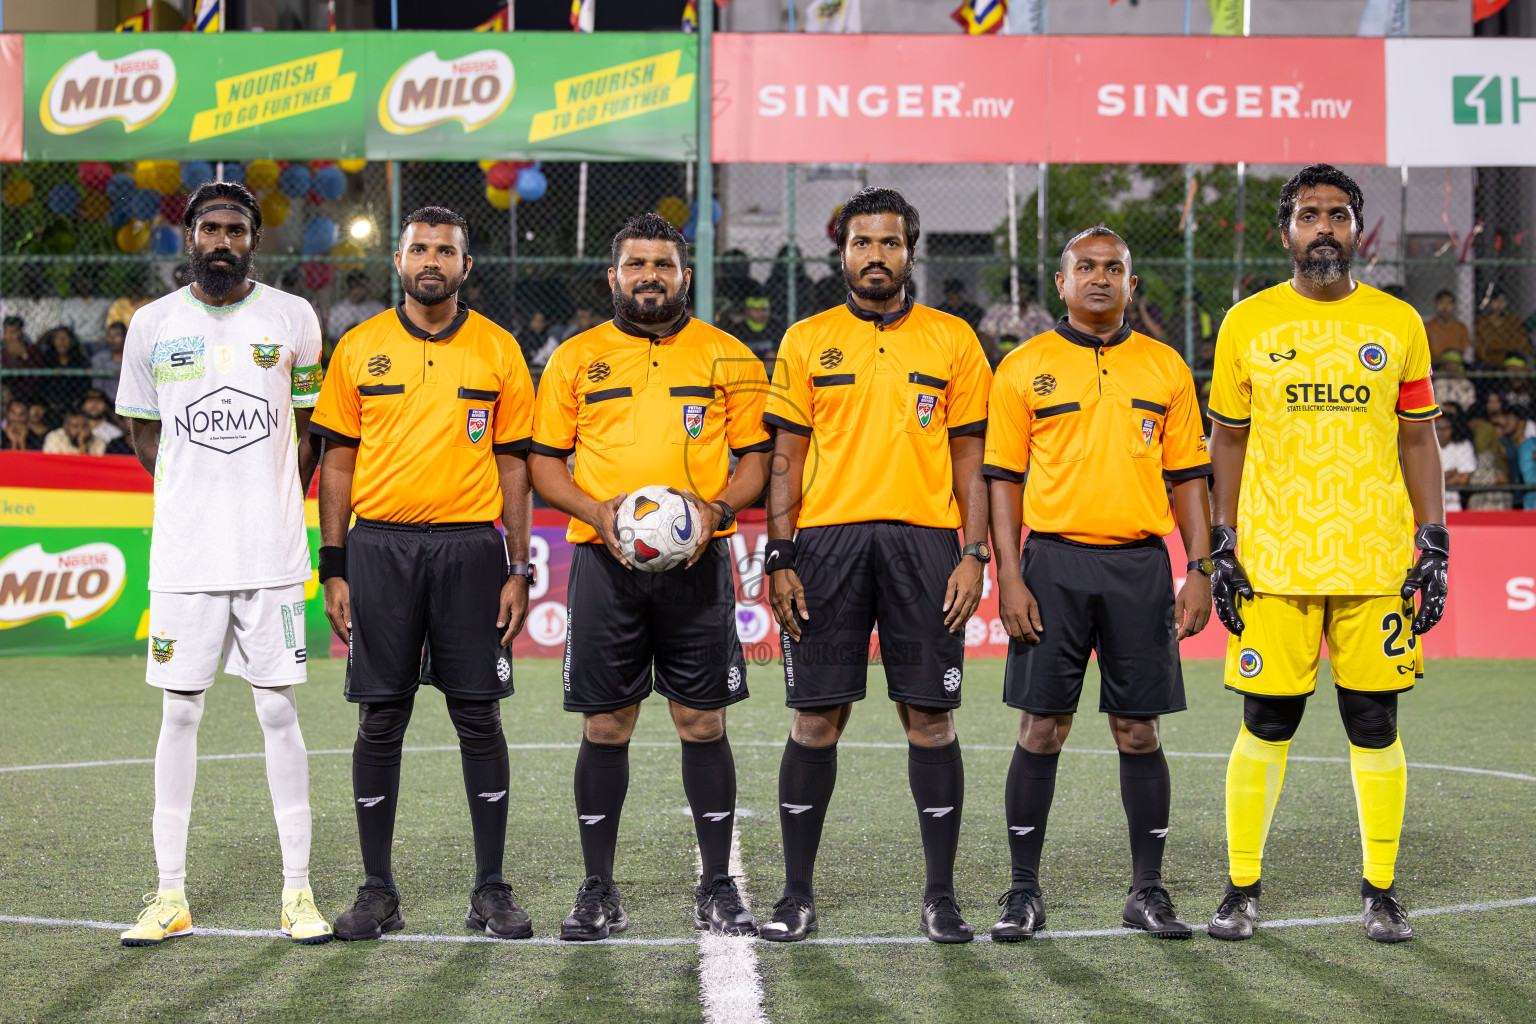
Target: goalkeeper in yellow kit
point(1324, 453)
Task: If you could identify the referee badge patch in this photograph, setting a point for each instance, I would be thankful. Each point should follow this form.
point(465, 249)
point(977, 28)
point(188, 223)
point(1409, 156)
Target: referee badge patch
point(1148, 429)
point(693, 420)
point(1249, 664)
point(475, 426)
point(925, 407)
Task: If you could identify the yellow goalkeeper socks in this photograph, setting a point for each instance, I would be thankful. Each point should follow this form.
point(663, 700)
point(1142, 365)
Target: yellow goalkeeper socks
point(1254, 775)
point(1381, 789)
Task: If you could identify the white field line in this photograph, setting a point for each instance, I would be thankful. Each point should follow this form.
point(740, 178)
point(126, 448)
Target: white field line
point(729, 987)
point(753, 944)
point(1518, 776)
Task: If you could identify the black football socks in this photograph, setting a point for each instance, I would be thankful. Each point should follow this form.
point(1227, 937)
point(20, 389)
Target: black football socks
point(1026, 804)
point(376, 783)
point(487, 775)
point(1146, 793)
point(807, 776)
point(937, 778)
point(602, 782)
point(709, 781)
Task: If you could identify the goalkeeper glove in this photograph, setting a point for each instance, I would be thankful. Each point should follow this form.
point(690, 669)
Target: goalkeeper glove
point(1428, 576)
point(1229, 581)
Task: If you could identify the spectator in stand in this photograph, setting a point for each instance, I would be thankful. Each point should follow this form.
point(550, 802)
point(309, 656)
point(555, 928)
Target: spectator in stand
point(759, 328)
point(1205, 356)
point(121, 311)
point(1500, 334)
point(19, 354)
point(98, 413)
point(1516, 393)
point(1145, 317)
point(1457, 458)
point(74, 438)
point(1004, 326)
point(61, 350)
point(583, 319)
point(1492, 461)
point(1527, 456)
point(38, 422)
point(1450, 381)
point(778, 284)
point(957, 304)
point(109, 358)
point(1514, 430)
point(354, 309)
point(827, 292)
point(1446, 331)
point(532, 335)
point(16, 436)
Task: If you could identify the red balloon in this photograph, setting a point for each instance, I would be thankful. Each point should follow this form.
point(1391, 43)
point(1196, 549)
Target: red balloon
point(314, 198)
point(94, 175)
point(315, 165)
point(317, 275)
point(172, 206)
point(502, 175)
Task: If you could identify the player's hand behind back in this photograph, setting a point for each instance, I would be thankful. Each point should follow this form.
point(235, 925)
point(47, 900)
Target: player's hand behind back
point(338, 607)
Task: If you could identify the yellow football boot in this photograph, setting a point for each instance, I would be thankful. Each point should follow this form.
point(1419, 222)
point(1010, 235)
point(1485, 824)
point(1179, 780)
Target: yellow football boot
point(165, 917)
point(302, 920)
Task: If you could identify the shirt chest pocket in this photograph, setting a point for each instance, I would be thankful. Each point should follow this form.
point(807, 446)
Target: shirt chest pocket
point(1144, 428)
point(473, 417)
point(381, 412)
point(836, 400)
point(1057, 435)
point(606, 419)
point(695, 417)
point(923, 407)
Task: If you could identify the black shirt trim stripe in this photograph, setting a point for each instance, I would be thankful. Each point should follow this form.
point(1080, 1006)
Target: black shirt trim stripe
point(1057, 410)
point(554, 453)
point(693, 392)
point(999, 473)
point(761, 446)
point(417, 332)
point(594, 397)
point(781, 423)
point(477, 395)
point(1175, 476)
point(831, 380)
point(927, 381)
point(1140, 403)
point(512, 447)
point(381, 389)
point(963, 429)
point(334, 437)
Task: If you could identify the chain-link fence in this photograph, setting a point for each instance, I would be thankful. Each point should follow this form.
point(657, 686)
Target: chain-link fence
point(82, 245)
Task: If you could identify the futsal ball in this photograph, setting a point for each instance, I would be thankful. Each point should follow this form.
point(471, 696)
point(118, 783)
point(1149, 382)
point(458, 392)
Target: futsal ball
point(657, 529)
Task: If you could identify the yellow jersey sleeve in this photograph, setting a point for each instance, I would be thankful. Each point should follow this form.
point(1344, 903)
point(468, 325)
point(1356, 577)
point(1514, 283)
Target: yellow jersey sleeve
point(789, 398)
point(1008, 425)
point(554, 408)
point(1416, 396)
point(746, 397)
point(1183, 437)
point(970, 387)
point(1231, 390)
point(338, 410)
point(514, 406)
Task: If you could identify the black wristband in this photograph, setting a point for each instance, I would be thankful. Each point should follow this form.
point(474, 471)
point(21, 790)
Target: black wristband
point(1433, 539)
point(333, 562)
point(779, 554)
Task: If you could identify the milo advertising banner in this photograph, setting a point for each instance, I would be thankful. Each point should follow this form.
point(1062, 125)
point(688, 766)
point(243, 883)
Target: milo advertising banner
point(334, 95)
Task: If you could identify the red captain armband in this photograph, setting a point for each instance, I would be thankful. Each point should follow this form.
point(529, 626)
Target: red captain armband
point(1416, 400)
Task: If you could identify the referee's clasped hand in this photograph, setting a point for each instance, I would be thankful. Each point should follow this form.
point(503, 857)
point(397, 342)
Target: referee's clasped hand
point(709, 521)
point(604, 519)
point(1018, 609)
point(962, 594)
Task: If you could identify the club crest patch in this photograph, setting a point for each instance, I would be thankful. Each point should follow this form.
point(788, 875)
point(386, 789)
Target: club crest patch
point(643, 507)
point(378, 365)
point(1372, 356)
point(1249, 664)
point(693, 420)
point(475, 426)
point(265, 355)
point(161, 650)
point(1044, 384)
point(925, 406)
point(1148, 428)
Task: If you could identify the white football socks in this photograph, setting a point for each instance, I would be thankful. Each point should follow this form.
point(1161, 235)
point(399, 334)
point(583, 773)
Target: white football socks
point(175, 776)
point(287, 778)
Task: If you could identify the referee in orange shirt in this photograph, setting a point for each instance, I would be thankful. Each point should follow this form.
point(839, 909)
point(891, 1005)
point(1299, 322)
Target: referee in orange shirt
point(1087, 423)
point(427, 417)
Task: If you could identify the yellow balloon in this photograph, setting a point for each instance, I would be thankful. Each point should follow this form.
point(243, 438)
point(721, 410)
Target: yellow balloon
point(144, 173)
point(261, 175)
point(274, 209)
point(352, 166)
point(133, 236)
point(672, 210)
point(17, 193)
point(167, 176)
point(348, 248)
point(94, 206)
point(486, 165)
point(501, 198)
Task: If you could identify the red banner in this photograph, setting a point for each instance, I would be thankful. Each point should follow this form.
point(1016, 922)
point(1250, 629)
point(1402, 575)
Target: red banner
point(1064, 99)
point(12, 89)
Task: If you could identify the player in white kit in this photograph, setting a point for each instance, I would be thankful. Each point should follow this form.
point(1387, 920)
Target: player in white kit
point(218, 381)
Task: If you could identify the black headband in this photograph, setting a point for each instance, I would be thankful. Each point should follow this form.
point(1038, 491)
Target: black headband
point(224, 206)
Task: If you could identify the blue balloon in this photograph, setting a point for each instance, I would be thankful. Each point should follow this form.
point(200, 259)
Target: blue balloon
point(143, 204)
point(320, 236)
point(531, 184)
point(166, 240)
point(195, 173)
point(330, 183)
point(118, 216)
point(120, 186)
point(690, 230)
point(63, 198)
point(234, 172)
point(693, 211)
point(294, 182)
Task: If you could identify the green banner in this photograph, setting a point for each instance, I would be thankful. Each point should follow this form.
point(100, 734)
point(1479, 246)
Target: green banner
point(380, 95)
point(81, 590)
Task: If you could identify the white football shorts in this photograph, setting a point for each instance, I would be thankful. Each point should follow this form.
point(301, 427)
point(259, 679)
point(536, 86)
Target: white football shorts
point(259, 634)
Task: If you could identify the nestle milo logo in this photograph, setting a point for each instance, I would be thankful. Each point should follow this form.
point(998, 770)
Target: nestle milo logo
point(428, 90)
point(134, 89)
point(1482, 99)
point(77, 585)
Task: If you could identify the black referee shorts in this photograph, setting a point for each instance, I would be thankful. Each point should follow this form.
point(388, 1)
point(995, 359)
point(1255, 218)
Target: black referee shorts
point(424, 603)
point(857, 575)
point(1114, 600)
point(625, 626)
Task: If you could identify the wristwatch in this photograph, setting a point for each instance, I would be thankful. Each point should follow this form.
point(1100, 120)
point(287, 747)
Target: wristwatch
point(981, 551)
point(727, 515)
point(1203, 565)
point(527, 570)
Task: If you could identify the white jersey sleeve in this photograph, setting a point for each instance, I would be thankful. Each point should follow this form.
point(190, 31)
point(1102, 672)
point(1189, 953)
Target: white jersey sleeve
point(136, 393)
point(307, 373)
